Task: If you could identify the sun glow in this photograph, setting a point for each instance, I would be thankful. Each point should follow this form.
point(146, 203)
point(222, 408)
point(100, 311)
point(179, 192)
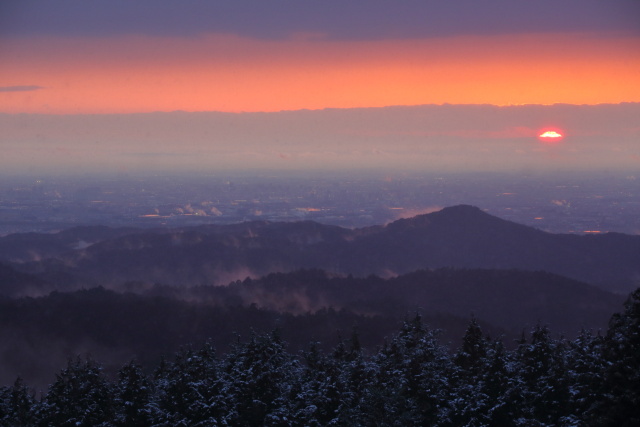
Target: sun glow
point(550, 136)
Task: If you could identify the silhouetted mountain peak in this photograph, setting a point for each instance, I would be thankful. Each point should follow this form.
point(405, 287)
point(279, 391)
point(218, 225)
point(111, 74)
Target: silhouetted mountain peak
point(463, 214)
point(460, 210)
point(458, 217)
point(471, 219)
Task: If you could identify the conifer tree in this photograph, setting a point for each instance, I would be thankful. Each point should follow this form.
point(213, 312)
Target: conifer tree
point(354, 379)
point(470, 404)
point(413, 372)
point(585, 371)
point(17, 405)
point(80, 396)
point(499, 387)
point(133, 397)
point(189, 390)
point(471, 357)
point(543, 375)
point(317, 395)
point(621, 401)
point(259, 377)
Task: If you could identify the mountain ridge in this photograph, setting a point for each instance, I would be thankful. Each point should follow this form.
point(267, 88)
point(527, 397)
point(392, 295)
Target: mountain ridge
point(460, 236)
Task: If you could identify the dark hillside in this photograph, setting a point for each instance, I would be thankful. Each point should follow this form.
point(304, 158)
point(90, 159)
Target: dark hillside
point(14, 283)
point(507, 299)
point(38, 335)
point(456, 237)
point(22, 247)
point(466, 237)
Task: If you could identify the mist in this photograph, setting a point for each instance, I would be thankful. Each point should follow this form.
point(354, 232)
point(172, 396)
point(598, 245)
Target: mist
point(446, 138)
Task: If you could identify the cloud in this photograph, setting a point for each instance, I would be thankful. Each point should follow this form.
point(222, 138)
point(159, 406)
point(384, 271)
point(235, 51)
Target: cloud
point(27, 88)
point(159, 154)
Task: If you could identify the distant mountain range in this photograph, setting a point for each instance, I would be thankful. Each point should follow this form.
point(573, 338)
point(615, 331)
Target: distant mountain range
point(458, 237)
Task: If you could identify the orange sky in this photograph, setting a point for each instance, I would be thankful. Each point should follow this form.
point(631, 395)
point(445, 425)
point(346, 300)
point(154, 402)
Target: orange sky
point(228, 73)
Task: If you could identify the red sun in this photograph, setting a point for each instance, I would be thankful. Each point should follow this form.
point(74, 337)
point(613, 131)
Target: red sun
point(551, 136)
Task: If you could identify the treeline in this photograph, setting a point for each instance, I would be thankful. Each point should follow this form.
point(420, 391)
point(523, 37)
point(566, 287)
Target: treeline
point(411, 380)
point(503, 298)
point(37, 335)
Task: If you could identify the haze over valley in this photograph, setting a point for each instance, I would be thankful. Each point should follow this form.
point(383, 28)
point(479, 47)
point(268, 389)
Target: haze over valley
point(558, 202)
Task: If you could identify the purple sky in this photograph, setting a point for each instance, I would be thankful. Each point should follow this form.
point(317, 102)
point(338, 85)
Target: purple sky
point(338, 19)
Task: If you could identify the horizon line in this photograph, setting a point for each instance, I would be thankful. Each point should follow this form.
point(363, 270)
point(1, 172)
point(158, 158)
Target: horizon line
point(392, 106)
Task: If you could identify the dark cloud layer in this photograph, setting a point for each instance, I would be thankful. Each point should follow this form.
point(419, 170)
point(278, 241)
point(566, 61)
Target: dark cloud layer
point(337, 19)
point(20, 88)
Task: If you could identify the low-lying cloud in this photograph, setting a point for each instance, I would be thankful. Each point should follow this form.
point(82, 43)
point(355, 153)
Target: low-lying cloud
point(27, 88)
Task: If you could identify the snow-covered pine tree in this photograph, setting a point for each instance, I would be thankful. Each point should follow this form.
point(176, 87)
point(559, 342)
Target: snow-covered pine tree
point(190, 391)
point(543, 376)
point(259, 376)
point(133, 397)
point(17, 405)
point(620, 405)
point(80, 396)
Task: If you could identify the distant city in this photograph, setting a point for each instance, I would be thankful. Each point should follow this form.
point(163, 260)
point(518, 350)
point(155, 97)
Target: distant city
point(558, 203)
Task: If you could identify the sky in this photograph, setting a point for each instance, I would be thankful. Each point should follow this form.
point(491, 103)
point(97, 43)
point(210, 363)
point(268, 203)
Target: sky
point(171, 85)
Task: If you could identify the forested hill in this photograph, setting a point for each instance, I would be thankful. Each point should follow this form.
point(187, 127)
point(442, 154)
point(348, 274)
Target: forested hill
point(39, 334)
point(459, 237)
point(507, 299)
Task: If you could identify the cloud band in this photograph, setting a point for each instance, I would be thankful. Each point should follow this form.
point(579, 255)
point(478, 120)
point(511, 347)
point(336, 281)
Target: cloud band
point(27, 88)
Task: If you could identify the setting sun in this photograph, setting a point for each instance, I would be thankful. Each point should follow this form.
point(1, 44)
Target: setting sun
point(550, 136)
